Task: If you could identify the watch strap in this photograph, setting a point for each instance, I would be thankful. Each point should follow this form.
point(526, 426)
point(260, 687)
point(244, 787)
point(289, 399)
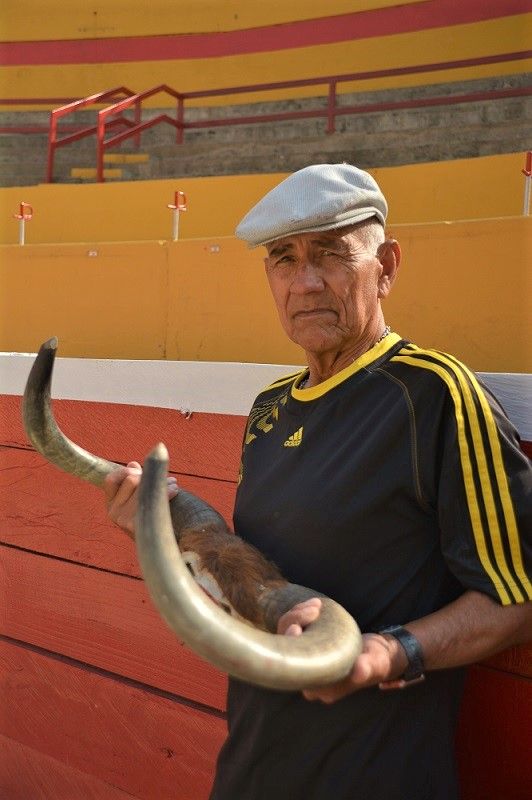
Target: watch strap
point(416, 666)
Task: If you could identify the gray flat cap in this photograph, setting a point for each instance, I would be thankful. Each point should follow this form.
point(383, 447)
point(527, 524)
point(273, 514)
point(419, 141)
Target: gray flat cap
point(316, 198)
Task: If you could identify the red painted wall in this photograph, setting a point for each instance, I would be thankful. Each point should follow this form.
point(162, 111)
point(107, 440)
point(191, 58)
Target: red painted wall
point(99, 699)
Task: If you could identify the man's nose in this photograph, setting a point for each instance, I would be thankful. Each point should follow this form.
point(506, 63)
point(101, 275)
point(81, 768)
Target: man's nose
point(307, 278)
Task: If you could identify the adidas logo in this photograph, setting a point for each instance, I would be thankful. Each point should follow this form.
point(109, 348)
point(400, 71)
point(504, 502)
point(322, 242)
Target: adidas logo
point(295, 439)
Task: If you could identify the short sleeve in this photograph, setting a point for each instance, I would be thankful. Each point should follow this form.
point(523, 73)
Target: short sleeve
point(484, 494)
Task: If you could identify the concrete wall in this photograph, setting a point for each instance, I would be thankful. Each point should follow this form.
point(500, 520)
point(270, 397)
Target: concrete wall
point(74, 51)
point(451, 190)
point(142, 46)
point(463, 288)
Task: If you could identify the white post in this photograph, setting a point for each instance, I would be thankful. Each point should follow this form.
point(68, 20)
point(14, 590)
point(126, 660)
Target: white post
point(527, 172)
point(179, 204)
point(175, 224)
point(25, 213)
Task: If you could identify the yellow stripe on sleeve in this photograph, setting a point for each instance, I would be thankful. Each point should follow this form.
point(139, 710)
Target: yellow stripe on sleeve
point(502, 483)
point(467, 469)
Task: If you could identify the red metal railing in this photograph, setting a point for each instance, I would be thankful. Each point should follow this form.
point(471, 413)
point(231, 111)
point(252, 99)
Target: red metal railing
point(111, 116)
point(110, 95)
point(330, 113)
point(102, 144)
point(333, 110)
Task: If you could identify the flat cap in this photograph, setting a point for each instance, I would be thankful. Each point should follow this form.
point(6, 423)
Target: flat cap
point(316, 198)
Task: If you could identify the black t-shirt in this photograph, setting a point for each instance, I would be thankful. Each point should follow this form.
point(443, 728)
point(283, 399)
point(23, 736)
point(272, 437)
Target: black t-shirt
point(392, 487)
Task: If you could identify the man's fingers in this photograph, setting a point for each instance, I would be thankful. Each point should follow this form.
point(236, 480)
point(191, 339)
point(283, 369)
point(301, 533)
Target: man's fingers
point(293, 630)
point(173, 488)
point(114, 481)
point(296, 620)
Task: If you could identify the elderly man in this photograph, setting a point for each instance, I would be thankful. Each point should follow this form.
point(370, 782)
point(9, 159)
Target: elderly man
point(386, 477)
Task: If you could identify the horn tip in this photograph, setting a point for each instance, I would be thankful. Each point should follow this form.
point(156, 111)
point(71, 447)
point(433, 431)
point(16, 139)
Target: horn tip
point(159, 453)
point(50, 344)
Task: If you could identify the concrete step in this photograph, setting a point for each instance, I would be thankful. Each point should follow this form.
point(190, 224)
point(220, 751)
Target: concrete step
point(89, 173)
point(126, 158)
point(371, 139)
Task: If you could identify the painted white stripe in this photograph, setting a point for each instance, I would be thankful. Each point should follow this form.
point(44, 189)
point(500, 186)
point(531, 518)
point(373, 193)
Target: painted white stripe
point(205, 386)
point(201, 386)
point(514, 393)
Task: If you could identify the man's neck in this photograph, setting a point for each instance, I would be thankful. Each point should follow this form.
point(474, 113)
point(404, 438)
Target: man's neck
point(323, 366)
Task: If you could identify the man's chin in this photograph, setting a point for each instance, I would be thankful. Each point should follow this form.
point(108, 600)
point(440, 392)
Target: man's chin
point(315, 342)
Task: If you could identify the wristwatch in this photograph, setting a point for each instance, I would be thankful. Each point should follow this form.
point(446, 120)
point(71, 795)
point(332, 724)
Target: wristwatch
point(414, 653)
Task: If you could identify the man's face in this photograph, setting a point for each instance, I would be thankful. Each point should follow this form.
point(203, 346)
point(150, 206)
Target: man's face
point(326, 286)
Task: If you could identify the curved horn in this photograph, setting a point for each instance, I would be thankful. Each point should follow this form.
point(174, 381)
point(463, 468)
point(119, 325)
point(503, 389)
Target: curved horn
point(42, 429)
point(45, 435)
point(324, 653)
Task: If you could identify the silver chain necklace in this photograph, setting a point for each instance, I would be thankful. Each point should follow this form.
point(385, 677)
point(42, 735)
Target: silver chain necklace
point(384, 334)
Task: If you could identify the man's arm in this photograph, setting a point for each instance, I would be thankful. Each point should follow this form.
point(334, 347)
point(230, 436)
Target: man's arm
point(470, 629)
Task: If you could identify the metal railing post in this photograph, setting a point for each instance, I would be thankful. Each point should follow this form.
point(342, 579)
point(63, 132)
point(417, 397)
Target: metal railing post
point(331, 108)
point(138, 120)
point(179, 118)
point(100, 133)
point(52, 136)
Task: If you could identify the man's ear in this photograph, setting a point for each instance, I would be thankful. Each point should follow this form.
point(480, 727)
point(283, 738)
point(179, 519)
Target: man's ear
point(389, 255)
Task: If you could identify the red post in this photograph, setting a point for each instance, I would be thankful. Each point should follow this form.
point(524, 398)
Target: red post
point(138, 118)
point(100, 132)
point(331, 107)
point(180, 116)
point(52, 137)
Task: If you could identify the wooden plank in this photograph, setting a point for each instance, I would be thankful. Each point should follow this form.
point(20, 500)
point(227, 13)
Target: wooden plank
point(26, 774)
point(103, 619)
point(495, 737)
point(45, 510)
point(135, 740)
point(207, 445)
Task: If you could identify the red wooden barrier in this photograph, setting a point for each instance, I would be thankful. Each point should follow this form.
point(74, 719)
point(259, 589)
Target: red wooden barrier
point(128, 737)
point(100, 700)
point(102, 619)
point(25, 773)
point(494, 736)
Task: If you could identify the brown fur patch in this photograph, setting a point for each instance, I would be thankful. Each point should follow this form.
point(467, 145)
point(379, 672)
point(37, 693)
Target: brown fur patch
point(239, 569)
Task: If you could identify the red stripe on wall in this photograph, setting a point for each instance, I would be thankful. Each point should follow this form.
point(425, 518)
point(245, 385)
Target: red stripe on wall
point(305, 33)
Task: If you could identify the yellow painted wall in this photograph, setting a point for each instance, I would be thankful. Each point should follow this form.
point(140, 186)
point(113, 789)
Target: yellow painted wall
point(491, 37)
point(77, 19)
point(463, 288)
point(449, 190)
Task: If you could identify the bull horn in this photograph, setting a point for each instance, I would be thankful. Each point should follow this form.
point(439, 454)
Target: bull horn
point(42, 429)
point(45, 435)
point(324, 653)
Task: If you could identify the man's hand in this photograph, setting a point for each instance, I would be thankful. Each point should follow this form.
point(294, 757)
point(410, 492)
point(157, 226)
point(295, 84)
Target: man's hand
point(121, 492)
point(382, 659)
point(470, 629)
